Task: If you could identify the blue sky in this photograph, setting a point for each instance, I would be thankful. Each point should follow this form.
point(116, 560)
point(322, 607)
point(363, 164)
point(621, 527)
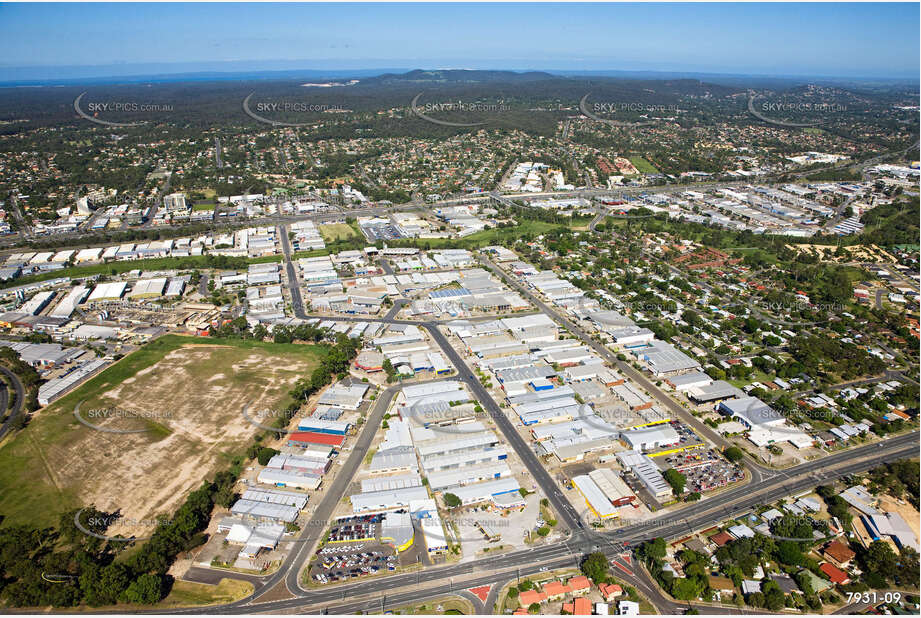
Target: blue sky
point(830, 39)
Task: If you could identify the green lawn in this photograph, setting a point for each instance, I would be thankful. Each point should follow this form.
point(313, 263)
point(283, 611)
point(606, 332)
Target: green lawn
point(644, 166)
point(332, 232)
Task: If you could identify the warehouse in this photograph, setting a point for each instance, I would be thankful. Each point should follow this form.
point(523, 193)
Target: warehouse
point(387, 500)
point(597, 502)
point(468, 474)
point(318, 425)
point(433, 533)
point(649, 438)
point(466, 458)
point(397, 530)
point(273, 496)
point(612, 486)
point(646, 471)
point(148, 288)
point(264, 511)
point(108, 291)
point(689, 380)
point(560, 411)
point(483, 492)
point(37, 303)
point(399, 459)
point(66, 306)
point(664, 359)
point(341, 396)
point(453, 443)
point(300, 463)
point(632, 336)
point(289, 478)
point(715, 391)
point(307, 438)
point(589, 427)
point(386, 483)
point(751, 412)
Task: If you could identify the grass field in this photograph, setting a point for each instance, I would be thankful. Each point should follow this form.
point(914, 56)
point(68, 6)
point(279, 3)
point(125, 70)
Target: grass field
point(187, 394)
point(332, 232)
point(204, 205)
point(643, 166)
point(498, 235)
point(190, 594)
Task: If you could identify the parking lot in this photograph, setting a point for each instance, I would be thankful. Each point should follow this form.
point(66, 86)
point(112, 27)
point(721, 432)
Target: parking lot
point(686, 439)
point(358, 528)
point(705, 469)
point(336, 563)
point(375, 232)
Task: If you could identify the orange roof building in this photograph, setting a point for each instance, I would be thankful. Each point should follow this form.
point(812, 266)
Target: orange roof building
point(839, 553)
point(610, 591)
point(528, 597)
point(836, 575)
point(579, 584)
point(555, 590)
point(579, 607)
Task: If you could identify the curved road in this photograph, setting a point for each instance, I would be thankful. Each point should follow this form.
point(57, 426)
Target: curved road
point(4, 400)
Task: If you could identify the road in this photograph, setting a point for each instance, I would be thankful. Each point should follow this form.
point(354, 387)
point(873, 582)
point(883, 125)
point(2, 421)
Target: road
point(447, 580)
point(20, 396)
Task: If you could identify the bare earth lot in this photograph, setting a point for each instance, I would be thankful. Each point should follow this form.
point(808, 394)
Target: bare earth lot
point(191, 399)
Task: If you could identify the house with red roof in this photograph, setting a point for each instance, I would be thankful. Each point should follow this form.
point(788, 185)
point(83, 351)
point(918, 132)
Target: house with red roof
point(526, 598)
point(556, 590)
point(836, 575)
point(610, 591)
point(838, 554)
point(579, 585)
point(580, 606)
point(721, 539)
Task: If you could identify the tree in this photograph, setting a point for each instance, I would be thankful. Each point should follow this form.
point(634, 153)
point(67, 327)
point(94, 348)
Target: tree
point(595, 567)
point(733, 454)
point(676, 480)
point(451, 500)
point(534, 608)
point(146, 589)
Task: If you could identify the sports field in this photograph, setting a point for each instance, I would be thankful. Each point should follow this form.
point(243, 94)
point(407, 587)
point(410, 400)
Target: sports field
point(181, 399)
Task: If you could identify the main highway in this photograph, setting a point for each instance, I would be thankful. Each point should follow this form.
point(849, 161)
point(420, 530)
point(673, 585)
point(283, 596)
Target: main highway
point(376, 594)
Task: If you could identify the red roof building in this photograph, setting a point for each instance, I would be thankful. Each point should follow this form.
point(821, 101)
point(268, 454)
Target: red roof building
point(555, 590)
point(721, 539)
point(579, 584)
point(839, 553)
point(304, 438)
point(526, 598)
point(836, 575)
point(610, 591)
point(579, 607)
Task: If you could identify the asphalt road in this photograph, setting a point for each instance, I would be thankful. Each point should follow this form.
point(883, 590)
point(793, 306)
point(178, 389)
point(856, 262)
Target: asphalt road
point(4, 400)
point(446, 580)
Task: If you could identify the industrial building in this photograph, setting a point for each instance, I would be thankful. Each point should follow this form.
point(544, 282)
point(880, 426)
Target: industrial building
point(646, 472)
point(596, 500)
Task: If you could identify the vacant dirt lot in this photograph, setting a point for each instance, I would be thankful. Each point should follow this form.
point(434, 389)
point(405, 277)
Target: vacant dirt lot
point(184, 415)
